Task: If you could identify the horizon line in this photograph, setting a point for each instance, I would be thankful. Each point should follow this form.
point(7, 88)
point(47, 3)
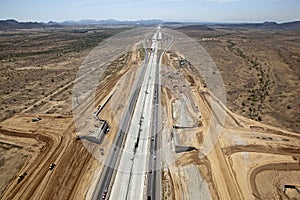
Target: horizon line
point(165, 21)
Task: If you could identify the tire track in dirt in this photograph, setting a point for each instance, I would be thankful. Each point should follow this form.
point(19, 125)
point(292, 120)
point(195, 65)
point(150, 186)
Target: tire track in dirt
point(12, 190)
point(55, 145)
point(277, 167)
point(228, 151)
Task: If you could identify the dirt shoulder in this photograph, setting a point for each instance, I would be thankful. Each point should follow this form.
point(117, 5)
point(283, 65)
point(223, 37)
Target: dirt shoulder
point(247, 160)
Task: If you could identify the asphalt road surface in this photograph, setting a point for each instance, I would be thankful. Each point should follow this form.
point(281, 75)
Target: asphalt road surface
point(132, 169)
point(110, 166)
point(154, 173)
point(130, 178)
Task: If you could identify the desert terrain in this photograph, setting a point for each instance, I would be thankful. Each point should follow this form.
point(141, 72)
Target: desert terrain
point(260, 70)
point(38, 68)
point(254, 156)
point(266, 157)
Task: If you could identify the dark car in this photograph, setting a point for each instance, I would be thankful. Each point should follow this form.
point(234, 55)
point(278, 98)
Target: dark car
point(104, 194)
point(52, 166)
point(36, 119)
point(21, 177)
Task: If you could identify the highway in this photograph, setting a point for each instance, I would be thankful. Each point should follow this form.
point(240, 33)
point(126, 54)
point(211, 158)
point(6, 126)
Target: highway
point(154, 165)
point(154, 173)
point(130, 178)
point(132, 169)
point(110, 166)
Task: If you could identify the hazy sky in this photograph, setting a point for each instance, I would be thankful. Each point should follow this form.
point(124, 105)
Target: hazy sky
point(171, 10)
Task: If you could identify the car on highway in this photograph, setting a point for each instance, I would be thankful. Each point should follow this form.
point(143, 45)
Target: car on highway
point(104, 194)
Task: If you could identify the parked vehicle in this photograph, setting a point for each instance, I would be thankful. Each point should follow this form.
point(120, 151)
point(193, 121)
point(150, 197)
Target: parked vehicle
point(52, 166)
point(21, 177)
point(36, 119)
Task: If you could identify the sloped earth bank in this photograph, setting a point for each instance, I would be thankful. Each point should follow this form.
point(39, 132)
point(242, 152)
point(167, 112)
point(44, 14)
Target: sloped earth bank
point(250, 160)
point(30, 147)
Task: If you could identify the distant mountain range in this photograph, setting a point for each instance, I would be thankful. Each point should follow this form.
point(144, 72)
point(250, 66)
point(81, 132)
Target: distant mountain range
point(266, 25)
point(113, 22)
point(13, 24)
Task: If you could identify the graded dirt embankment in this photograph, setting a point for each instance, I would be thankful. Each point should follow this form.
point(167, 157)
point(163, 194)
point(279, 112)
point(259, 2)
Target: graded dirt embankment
point(249, 159)
point(52, 139)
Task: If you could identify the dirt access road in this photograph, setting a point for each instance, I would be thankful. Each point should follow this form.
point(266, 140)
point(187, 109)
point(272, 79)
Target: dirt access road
point(53, 140)
point(250, 160)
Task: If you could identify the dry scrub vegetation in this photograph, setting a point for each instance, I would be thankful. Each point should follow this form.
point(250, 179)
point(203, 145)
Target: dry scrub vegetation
point(37, 69)
point(260, 70)
point(35, 63)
